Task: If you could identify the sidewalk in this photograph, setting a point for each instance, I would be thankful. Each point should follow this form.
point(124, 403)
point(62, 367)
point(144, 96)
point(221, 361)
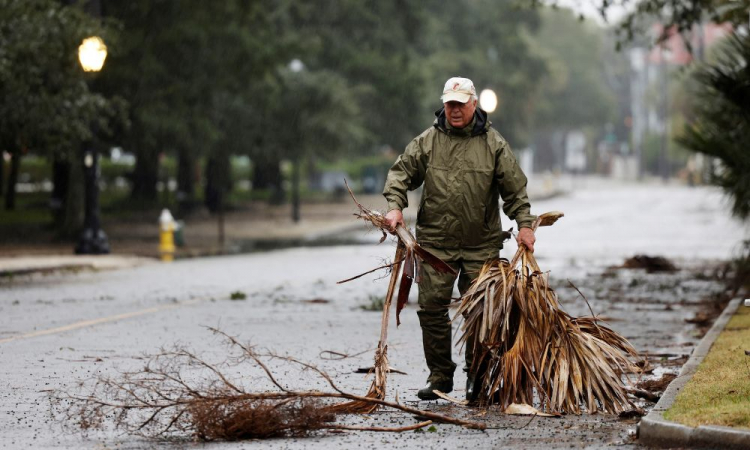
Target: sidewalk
point(25, 265)
point(135, 241)
point(256, 227)
point(657, 431)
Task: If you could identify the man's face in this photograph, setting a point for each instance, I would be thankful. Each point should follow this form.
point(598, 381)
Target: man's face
point(460, 114)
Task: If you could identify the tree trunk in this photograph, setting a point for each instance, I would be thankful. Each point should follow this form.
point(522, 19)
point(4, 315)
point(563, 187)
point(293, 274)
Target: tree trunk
point(314, 175)
point(185, 180)
point(295, 189)
point(71, 220)
point(60, 184)
point(267, 176)
point(262, 176)
point(221, 221)
point(2, 172)
point(144, 178)
point(15, 165)
point(218, 180)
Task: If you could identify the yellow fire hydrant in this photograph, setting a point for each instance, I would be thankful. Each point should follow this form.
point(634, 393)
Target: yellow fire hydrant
point(166, 236)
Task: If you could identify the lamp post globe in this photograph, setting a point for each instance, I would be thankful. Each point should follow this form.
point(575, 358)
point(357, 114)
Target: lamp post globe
point(488, 100)
point(91, 54)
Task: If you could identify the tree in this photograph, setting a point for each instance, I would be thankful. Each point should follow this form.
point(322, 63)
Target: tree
point(718, 123)
point(313, 116)
point(675, 15)
point(372, 44)
point(175, 58)
point(45, 103)
point(721, 118)
point(486, 41)
point(574, 94)
point(678, 16)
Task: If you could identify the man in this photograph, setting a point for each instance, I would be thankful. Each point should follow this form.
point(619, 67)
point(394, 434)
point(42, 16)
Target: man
point(466, 166)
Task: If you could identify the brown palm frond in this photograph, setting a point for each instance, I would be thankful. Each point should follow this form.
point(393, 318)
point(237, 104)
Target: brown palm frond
point(378, 386)
point(407, 263)
point(528, 349)
point(413, 257)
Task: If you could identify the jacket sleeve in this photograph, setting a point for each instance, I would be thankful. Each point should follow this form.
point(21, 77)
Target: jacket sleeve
point(512, 182)
point(406, 174)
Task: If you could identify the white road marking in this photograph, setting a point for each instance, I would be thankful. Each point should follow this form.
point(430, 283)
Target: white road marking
point(89, 323)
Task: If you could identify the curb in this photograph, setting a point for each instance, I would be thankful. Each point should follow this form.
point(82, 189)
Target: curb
point(44, 269)
point(12, 267)
point(656, 431)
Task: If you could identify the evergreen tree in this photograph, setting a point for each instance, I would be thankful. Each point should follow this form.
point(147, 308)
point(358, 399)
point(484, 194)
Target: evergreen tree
point(720, 126)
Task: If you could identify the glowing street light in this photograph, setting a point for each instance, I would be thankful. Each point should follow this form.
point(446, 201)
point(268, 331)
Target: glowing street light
point(92, 53)
point(488, 100)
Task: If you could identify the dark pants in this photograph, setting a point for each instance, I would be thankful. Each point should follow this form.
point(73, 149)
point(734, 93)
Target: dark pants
point(435, 291)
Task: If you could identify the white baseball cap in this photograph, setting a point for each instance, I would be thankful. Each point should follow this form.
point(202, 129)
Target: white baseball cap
point(458, 89)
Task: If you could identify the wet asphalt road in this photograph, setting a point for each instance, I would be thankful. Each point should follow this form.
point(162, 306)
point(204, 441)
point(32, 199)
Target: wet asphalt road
point(58, 329)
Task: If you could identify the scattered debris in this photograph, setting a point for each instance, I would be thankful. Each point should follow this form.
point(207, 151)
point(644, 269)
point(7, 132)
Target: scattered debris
point(631, 413)
point(701, 319)
point(331, 355)
point(165, 399)
point(522, 409)
point(646, 395)
point(372, 369)
point(445, 396)
point(643, 366)
point(238, 295)
point(658, 385)
point(376, 303)
point(650, 263)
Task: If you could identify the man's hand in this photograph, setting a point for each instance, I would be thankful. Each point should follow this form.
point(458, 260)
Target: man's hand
point(395, 218)
point(526, 238)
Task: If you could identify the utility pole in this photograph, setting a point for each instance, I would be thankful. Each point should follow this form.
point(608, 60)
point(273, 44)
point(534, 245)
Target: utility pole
point(663, 151)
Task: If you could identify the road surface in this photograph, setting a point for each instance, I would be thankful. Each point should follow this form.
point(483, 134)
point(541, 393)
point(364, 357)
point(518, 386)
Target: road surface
point(58, 329)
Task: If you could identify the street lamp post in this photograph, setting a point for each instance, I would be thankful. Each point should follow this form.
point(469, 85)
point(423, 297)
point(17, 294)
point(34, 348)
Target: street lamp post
point(296, 66)
point(91, 54)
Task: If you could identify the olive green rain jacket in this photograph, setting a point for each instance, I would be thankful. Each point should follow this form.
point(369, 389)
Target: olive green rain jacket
point(465, 173)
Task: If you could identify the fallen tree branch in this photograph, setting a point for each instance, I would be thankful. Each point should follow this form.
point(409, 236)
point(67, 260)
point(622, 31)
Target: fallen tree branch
point(646, 395)
point(335, 356)
point(385, 266)
point(178, 394)
point(386, 429)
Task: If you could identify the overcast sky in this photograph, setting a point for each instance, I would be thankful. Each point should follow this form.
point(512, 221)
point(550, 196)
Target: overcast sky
point(589, 9)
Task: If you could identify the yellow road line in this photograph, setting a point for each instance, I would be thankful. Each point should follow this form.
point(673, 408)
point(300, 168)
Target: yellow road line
point(89, 323)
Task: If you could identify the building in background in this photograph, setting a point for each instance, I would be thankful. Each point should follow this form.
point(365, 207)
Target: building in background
point(654, 101)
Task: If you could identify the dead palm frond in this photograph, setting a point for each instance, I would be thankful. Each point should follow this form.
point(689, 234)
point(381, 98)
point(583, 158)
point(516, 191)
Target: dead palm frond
point(527, 348)
point(409, 256)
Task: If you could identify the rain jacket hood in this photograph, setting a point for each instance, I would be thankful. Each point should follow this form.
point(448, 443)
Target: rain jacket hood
point(480, 124)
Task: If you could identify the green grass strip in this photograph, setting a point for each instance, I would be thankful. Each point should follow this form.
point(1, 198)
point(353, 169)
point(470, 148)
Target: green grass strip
point(719, 392)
